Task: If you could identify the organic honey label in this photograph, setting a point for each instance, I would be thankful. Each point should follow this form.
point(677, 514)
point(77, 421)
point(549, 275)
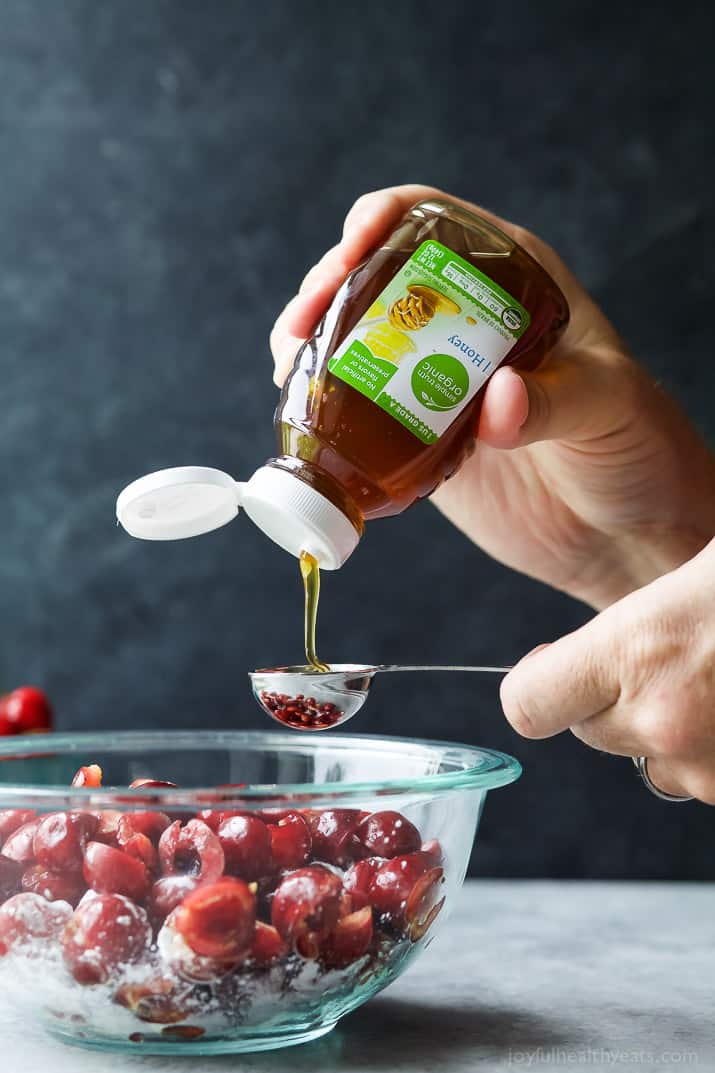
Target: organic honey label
point(431, 340)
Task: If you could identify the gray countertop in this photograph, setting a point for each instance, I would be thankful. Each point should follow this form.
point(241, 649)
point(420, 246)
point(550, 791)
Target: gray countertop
point(527, 975)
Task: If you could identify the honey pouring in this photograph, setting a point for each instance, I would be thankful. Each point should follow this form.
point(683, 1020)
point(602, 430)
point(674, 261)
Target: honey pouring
point(382, 405)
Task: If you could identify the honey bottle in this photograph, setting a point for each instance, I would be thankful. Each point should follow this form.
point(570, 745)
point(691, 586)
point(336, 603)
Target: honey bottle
point(383, 401)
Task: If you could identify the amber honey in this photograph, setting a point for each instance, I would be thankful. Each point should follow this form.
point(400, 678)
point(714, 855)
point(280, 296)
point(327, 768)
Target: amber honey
point(338, 440)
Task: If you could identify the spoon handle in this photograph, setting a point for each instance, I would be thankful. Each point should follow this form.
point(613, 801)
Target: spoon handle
point(401, 667)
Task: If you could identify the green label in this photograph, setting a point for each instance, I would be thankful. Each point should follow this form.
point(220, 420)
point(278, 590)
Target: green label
point(431, 340)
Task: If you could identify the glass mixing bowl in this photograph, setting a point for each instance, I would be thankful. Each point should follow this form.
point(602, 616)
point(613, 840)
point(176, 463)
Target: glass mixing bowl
point(279, 885)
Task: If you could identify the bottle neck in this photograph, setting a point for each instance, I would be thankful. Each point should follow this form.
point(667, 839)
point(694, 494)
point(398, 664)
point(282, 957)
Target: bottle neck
point(324, 483)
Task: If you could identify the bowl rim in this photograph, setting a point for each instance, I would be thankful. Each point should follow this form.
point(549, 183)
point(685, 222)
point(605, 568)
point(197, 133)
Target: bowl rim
point(482, 768)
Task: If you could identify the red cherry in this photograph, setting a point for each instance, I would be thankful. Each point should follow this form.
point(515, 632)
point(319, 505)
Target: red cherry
point(11, 819)
point(290, 841)
point(191, 850)
point(388, 834)
point(18, 847)
point(143, 849)
point(90, 776)
point(404, 893)
point(218, 919)
point(349, 940)
point(213, 817)
point(333, 834)
point(246, 844)
point(25, 711)
point(151, 824)
point(67, 886)
point(110, 871)
point(358, 879)
point(149, 784)
point(267, 945)
point(306, 907)
point(10, 873)
point(61, 837)
point(105, 931)
point(178, 956)
point(107, 826)
point(28, 916)
point(167, 893)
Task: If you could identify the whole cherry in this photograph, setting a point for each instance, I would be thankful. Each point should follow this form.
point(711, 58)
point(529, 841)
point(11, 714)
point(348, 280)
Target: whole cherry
point(25, 711)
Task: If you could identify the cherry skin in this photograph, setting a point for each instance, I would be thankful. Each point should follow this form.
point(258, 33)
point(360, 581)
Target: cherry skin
point(218, 920)
point(291, 841)
point(246, 844)
point(25, 711)
point(156, 999)
point(104, 932)
point(388, 834)
point(167, 893)
point(110, 871)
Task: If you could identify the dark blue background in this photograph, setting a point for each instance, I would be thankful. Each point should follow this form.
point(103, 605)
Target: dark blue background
point(168, 172)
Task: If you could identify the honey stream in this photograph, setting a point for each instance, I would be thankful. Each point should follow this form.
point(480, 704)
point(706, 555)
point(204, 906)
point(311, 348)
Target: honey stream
point(310, 572)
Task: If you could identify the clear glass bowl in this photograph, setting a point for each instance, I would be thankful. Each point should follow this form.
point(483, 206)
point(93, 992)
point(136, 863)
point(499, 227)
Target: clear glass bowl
point(120, 930)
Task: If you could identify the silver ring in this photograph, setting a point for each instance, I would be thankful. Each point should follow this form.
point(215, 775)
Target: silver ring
point(641, 763)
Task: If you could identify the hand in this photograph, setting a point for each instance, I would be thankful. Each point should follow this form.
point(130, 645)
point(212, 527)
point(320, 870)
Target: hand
point(586, 476)
point(637, 680)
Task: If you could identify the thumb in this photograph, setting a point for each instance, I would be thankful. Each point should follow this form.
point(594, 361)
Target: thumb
point(577, 396)
point(561, 684)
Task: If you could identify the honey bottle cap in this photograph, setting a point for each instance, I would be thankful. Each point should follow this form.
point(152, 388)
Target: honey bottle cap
point(186, 501)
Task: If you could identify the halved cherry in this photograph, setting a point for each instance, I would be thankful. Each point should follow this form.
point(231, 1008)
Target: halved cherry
point(333, 834)
point(306, 907)
point(90, 776)
point(349, 940)
point(267, 945)
point(11, 819)
point(151, 824)
point(151, 784)
point(246, 844)
point(18, 847)
point(388, 834)
point(110, 871)
point(105, 931)
point(191, 850)
point(178, 956)
point(167, 893)
point(143, 849)
point(291, 841)
point(404, 893)
point(55, 886)
point(433, 849)
point(60, 839)
point(108, 821)
point(26, 917)
point(359, 877)
point(218, 920)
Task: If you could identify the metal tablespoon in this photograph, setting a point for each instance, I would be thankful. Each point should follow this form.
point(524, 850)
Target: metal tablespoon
point(307, 699)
